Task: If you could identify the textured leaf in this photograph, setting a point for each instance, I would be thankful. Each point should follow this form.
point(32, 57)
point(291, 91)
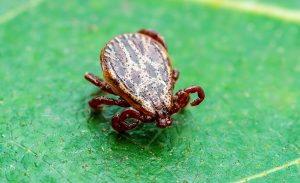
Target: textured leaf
point(247, 63)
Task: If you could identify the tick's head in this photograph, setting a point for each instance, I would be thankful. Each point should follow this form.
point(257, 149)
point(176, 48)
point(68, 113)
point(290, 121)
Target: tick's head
point(163, 119)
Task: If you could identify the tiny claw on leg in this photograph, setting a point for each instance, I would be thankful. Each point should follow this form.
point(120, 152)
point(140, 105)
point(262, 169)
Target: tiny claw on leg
point(200, 92)
point(182, 97)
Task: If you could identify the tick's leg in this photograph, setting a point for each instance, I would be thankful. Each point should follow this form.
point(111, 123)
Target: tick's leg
point(98, 102)
point(98, 82)
point(182, 97)
point(180, 100)
point(154, 35)
point(199, 91)
point(119, 120)
point(175, 76)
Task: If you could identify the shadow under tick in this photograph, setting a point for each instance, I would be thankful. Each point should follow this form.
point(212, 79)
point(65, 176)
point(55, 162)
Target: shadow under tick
point(146, 136)
point(151, 138)
point(95, 119)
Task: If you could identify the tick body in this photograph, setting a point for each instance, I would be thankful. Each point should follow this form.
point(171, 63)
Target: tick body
point(137, 68)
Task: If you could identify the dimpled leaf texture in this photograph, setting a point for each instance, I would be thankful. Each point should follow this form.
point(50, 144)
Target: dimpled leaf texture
point(247, 62)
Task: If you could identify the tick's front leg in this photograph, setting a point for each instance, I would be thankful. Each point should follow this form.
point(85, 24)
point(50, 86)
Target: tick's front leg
point(199, 91)
point(154, 35)
point(98, 82)
point(98, 102)
point(182, 98)
point(175, 76)
point(119, 120)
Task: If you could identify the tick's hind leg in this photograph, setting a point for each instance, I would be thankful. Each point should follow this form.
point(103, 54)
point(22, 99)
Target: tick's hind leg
point(182, 98)
point(98, 82)
point(154, 35)
point(119, 120)
point(98, 102)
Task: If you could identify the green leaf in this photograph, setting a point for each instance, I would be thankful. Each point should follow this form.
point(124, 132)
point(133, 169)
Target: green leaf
point(247, 62)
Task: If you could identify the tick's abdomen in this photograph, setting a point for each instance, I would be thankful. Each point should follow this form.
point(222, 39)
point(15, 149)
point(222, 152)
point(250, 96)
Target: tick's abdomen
point(141, 68)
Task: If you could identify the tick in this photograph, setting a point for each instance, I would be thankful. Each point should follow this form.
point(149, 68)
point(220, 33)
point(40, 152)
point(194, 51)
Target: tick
point(137, 68)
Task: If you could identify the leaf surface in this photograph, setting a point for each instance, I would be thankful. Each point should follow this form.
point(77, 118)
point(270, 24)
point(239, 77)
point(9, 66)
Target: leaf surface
point(248, 65)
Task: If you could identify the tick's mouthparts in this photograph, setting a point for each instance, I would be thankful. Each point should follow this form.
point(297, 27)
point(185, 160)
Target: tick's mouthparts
point(164, 122)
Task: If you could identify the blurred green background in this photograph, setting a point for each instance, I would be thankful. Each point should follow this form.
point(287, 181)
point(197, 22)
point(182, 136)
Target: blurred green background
point(247, 61)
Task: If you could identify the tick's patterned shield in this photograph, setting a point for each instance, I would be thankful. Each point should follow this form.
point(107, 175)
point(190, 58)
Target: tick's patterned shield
point(139, 67)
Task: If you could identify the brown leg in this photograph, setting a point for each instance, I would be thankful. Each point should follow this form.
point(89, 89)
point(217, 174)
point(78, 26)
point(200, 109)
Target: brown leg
point(98, 102)
point(182, 97)
point(98, 82)
point(200, 93)
point(175, 76)
point(155, 35)
point(119, 120)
